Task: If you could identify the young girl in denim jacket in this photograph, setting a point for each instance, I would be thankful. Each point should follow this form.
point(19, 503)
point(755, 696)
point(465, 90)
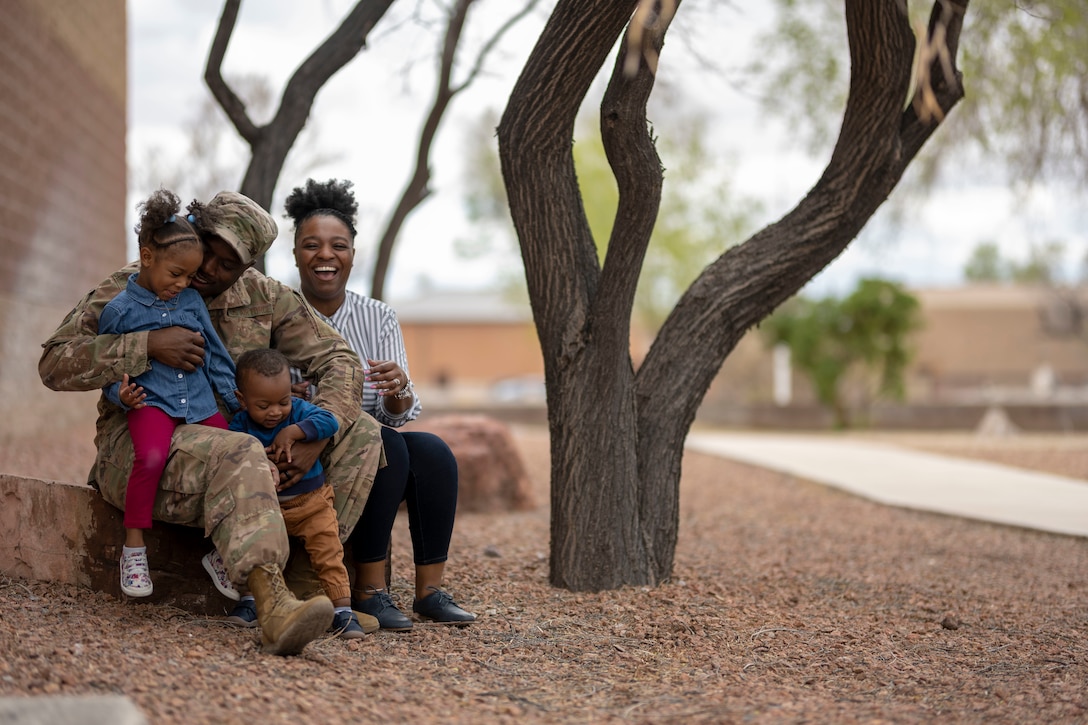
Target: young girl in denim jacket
point(163, 397)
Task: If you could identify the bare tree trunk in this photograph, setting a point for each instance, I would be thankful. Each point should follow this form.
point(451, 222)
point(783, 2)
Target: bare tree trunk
point(617, 437)
point(271, 143)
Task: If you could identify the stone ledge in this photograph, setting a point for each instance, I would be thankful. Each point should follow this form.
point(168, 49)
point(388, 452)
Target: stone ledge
point(67, 533)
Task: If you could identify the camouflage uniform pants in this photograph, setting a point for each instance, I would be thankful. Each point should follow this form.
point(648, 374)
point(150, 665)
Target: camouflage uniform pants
point(220, 481)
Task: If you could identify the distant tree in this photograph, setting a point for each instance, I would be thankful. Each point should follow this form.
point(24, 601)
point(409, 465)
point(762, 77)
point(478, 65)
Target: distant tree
point(986, 264)
point(1045, 265)
point(864, 337)
point(270, 142)
point(617, 434)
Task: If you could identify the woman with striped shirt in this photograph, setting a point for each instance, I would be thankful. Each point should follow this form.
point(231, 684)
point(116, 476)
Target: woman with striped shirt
point(421, 470)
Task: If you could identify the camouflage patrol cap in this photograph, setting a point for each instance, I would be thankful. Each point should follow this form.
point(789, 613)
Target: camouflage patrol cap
point(243, 224)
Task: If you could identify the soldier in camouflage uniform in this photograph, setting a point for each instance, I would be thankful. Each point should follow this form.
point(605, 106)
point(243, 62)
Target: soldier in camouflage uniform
point(220, 480)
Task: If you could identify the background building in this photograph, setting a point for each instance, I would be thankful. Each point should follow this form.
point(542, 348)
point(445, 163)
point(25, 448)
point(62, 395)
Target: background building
point(62, 187)
point(1023, 348)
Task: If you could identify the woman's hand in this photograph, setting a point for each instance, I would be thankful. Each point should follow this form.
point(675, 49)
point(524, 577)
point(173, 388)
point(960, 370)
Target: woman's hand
point(386, 376)
point(301, 389)
point(131, 394)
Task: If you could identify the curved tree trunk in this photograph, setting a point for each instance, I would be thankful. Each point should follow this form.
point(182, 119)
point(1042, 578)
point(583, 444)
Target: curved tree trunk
point(617, 437)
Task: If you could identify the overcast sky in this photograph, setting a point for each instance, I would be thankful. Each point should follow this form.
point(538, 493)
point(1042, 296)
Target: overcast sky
point(370, 112)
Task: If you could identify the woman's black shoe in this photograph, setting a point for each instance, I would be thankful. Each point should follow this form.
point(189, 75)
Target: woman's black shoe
point(440, 607)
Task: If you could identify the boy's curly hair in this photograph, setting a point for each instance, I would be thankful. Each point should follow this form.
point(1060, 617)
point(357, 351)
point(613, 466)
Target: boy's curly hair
point(264, 361)
point(333, 197)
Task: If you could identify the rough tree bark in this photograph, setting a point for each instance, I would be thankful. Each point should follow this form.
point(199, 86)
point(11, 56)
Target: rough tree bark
point(616, 435)
point(271, 143)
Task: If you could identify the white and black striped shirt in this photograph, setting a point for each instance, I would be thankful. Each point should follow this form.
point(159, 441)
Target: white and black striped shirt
point(371, 329)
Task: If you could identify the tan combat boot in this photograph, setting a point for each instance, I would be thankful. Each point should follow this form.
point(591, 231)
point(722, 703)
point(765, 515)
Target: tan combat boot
point(368, 623)
point(287, 624)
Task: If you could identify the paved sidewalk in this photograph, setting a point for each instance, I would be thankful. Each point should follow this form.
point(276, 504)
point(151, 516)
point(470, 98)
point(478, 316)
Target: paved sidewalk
point(914, 479)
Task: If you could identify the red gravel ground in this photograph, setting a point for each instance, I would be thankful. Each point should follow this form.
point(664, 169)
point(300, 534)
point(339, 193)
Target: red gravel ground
point(791, 602)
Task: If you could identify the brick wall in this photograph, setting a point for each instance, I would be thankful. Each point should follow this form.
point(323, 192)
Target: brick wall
point(62, 186)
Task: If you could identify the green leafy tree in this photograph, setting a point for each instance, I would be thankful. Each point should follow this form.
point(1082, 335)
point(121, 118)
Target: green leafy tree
point(1027, 65)
point(986, 264)
point(863, 336)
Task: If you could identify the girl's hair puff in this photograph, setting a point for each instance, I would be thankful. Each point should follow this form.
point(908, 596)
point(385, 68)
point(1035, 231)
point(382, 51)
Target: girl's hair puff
point(159, 225)
point(333, 197)
point(206, 218)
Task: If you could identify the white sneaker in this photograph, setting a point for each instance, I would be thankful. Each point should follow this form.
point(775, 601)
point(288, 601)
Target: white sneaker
point(135, 577)
point(213, 564)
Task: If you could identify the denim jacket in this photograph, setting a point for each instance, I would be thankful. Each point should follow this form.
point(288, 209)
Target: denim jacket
point(178, 393)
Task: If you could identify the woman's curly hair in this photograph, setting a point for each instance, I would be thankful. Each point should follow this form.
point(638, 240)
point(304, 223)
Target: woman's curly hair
point(159, 225)
point(333, 197)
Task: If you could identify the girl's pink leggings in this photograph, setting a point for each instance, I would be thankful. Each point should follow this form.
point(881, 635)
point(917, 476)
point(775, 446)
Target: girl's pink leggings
point(151, 430)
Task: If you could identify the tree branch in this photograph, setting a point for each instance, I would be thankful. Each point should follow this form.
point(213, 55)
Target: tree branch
point(535, 135)
point(273, 141)
point(493, 41)
point(332, 55)
point(877, 141)
point(635, 164)
point(228, 100)
point(417, 189)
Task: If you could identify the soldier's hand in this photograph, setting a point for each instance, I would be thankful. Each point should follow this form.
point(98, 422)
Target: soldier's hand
point(178, 347)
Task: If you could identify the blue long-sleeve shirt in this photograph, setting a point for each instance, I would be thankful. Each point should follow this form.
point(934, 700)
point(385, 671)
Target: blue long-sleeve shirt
point(179, 393)
point(316, 423)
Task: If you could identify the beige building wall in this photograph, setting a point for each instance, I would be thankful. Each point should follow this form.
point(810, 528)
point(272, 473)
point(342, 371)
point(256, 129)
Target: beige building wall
point(62, 187)
point(975, 342)
point(994, 337)
point(470, 353)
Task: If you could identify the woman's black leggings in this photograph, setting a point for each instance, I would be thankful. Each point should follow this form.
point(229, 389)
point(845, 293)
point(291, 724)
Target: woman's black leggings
point(422, 472)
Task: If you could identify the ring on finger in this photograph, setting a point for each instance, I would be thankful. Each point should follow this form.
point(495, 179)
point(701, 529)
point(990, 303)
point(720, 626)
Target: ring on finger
point(396, 382)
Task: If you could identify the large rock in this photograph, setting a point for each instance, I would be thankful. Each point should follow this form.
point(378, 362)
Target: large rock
point(492, 476)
